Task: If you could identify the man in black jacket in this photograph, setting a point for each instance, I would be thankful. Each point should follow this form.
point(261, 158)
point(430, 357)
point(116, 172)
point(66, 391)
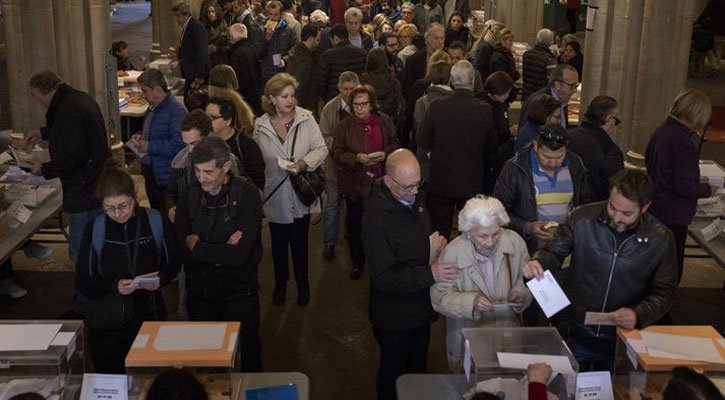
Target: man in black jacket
point(459, 133)
point(193, 52)
point(403, 262)
point(622, 264)
point(538, 63)
point(343, 56)
point(302, 64)
point(78, 147)
point(563, 82)
point(244, 60)
point(219, 219)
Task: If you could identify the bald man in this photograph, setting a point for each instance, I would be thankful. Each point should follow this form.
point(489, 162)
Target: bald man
point(403, 264)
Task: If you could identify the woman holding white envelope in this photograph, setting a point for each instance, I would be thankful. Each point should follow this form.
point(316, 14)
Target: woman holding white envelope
point(489, 290)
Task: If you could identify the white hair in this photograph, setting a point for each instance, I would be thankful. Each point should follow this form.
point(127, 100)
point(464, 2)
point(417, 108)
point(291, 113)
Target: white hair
point(462, 75)
point(407, 5)
point(237, 32)
point(483, 211)
point(545, 37)
point(319, 16)
point(353, 11)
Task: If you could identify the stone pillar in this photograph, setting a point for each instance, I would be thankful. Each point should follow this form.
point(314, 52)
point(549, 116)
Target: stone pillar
point(523, 17)
point(164, 29)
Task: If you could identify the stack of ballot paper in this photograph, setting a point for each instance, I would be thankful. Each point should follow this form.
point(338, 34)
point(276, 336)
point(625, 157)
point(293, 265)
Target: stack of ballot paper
point(681, 347)
point(709, 207)
point(712, 173)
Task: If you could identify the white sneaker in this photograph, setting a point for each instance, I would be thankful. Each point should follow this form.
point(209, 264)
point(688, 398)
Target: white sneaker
point(10, 288)
point(34, 250)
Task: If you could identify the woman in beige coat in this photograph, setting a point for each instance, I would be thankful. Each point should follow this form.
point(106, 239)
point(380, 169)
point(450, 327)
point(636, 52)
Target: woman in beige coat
point(489, 291)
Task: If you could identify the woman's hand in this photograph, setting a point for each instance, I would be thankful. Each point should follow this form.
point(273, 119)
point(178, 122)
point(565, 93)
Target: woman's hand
point(297, 167)
point(482, 304)
point(363, 158)
point(125, 286)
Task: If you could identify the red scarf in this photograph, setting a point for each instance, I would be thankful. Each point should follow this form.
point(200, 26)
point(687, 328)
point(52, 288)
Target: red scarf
point(372, 141)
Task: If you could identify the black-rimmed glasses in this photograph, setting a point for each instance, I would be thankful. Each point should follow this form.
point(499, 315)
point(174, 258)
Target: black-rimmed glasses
point(406, 189)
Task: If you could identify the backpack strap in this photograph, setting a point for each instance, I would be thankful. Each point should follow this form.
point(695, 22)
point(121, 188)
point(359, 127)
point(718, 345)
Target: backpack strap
point(98, 239)
point(157, 230)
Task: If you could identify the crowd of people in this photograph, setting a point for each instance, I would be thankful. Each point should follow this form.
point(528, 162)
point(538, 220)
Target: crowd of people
point(406, 110)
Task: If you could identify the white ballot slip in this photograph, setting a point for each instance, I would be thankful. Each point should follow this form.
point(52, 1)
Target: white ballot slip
point(190, 337)
point(140, 341)
point(712, 230)
point(597, 318)
point(18, 211)
point(284, 164)
point(594, 386)
point(558, 364)
point(104, 386)
point(27, 337)
point(548, 294)
point(147, 279)
point(376, 155)
point(634, 346)
point(681, 347)
point(133, 145)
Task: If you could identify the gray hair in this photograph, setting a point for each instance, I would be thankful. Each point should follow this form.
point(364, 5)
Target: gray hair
point(557, 74)
point(483, 211)
point(237, 32)
point(545, 37)
point(408, 5)
point(353, 11)
point(153, 78)
point(181, 9)
point(433, 25)
point(347, 76)
point(319, 16)
point(462, 75)
point(211, 148)
point(45, 81)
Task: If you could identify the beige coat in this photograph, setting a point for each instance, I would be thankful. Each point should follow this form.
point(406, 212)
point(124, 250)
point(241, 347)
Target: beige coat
point(456, 300)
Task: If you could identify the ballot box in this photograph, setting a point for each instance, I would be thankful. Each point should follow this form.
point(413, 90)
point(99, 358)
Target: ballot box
point(499, 356)
point(210, 350)
point(45, 357)
point(644, 358)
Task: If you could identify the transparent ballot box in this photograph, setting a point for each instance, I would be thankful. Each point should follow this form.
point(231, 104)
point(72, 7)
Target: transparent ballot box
point(210, 350)
point(522, 346)
point(44, 357)
point(642, 367)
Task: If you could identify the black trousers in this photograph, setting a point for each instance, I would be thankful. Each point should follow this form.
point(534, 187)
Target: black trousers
point(293, 236)
point(246, 311)
point(571, 19)
point(154, 192)
point(353, 227)
point(440, 209)
point(680, 234)
point(401, 352)
point(109, 348)
point(6, 269)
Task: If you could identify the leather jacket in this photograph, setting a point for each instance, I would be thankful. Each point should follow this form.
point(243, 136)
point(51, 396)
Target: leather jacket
point(636, 271)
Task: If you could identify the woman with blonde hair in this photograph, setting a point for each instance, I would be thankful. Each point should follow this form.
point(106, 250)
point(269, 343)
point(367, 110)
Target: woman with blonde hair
point(223, 84)
point(673, 164)
point(483, 48)
point(406, 34)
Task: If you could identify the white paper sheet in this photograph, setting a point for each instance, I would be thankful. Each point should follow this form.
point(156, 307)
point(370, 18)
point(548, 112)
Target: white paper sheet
point(635, 346)
point(232, 342)
point(190, 337)
point(5, 157)
point(597, 318)
point(594, 386)
point(140, 341)
point(67, 339)
point(681, 347)
point(548, 294)
point(559, 364)
point(27, 337)
point(104, 386)
point(712, 230)
point(711, 169)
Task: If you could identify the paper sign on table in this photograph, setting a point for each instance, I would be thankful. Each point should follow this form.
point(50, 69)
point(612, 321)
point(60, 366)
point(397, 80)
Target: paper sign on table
point(190, 337)
point(711, 231)
point(681, 347)
point(559, 364)
point(597, 318)
point(548, 294)
point(104, 386)
point(18, 211)
point(27, 337)
point(594, 386)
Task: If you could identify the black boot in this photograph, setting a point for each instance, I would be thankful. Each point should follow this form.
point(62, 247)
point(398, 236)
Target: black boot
point(280, 291)
point(356, 272)
point(303, 293)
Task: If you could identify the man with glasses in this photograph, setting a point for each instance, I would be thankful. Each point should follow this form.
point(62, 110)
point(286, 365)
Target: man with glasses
point(403, 262)
point(541, 184)
point(389, 42)
point(563, 83)
point(219, 221)
point(592, 141)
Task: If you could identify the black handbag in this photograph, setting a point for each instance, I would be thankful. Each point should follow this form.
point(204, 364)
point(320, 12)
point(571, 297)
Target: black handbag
point(308, 185)
point(114, 310)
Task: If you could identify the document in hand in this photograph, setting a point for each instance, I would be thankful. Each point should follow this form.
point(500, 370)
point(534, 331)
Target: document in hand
point(548, 294)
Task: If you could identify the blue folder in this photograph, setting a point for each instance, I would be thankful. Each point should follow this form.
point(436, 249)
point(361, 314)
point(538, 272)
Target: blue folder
point(283, 392)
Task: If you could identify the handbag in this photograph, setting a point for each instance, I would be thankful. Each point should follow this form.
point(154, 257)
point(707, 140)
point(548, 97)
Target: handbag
point(114, 310)
point(308, 185)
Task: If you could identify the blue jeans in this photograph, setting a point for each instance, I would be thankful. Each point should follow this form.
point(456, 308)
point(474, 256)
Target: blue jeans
point(78, 222)
point(331, 212)
point(589, 360)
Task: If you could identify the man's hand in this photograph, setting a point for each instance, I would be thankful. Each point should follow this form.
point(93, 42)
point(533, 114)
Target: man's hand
point(533, 269)
point(536, 228)
point(32, 137)
point(482, 304)
point(142, 145)
point(437, 243)
point(516, 297)
point(172, 214)
point(363, 158)
point(624, 318)
point(125, 286)
point(191, 241)
point(539, 373)
point(234, 238)
point(444, 272)
point(37, 168)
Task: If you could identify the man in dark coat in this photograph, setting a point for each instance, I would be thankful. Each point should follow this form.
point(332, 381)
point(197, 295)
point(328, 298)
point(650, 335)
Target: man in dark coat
point(563, 83)
point(343, 56)
point(277, 40)
point(403, 262)
point(78, 147)
point(459, 132)
point(245, 62)
point(193, 52)
point(302, 64)
point(538, 63)
point(416, 64)
point(240, 11)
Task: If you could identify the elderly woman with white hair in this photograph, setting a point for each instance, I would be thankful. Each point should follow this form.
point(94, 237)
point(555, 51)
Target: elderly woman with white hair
point(489, 290)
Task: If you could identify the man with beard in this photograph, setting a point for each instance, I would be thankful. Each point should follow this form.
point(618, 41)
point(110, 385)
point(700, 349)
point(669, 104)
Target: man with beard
point(622, 264)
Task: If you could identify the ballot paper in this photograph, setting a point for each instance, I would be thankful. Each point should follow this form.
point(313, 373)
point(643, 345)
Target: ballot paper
point(681, 347)
point(140, 341)
point(5, 157)
point(712, 172)
point(594, 386)
point(634, 346)
point(133, 146)
point(376, 155)
point(558, 364)
point(147, 279)
point(284, 163)
point(597, 318)
point(67, 339)
point(18, 211)
point(190, 337)
point(104, 386)
point(712, 230)
point(27, 337)
point(548, 294)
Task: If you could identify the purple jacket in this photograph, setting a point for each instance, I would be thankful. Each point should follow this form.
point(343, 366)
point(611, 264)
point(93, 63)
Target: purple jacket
point(673, 164)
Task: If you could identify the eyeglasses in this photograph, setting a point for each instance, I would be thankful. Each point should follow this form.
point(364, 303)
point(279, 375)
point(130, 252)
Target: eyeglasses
point(617, 121)
point(364, 104)
point(571, 86)
point(553, 139)
point(121, 208)
point(406, 189)
point(214, 117)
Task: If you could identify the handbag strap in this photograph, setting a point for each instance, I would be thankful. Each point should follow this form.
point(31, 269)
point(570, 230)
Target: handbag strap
point(135, 245)
point(294, 141)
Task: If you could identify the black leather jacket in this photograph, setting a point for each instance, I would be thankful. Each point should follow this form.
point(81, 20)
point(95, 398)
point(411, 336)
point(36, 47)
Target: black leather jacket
point(637, 271)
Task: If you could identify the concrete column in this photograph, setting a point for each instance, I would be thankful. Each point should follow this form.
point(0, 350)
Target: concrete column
point(523, 17)
point(165, 31)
